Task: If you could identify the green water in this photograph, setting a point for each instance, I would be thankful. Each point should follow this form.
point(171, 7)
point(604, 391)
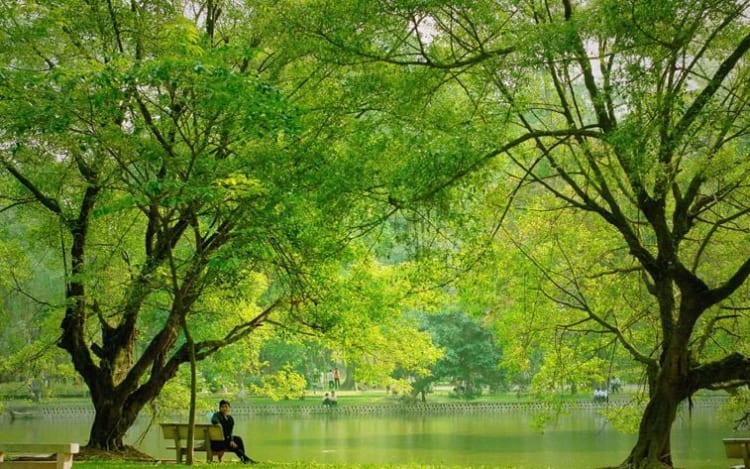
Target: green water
point(580, 439)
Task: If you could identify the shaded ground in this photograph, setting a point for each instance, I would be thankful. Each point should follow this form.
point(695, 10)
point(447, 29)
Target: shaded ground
point(127, 454)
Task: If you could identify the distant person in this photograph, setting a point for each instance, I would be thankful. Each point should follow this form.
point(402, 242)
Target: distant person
point(601, 395)
point(329, 377)
point(615, 385)
point(334, 399)
point(327, 400)
point(336, 378)
point(231, 442)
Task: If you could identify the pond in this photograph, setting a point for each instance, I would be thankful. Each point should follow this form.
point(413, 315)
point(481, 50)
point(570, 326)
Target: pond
point(578, 439)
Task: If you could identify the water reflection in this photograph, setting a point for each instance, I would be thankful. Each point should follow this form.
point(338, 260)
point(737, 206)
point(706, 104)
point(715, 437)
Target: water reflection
point(580, 439)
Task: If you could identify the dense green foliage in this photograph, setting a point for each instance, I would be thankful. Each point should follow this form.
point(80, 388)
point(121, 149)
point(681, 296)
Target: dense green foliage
point(470, 360)
point(184, 201)
point(310, 174)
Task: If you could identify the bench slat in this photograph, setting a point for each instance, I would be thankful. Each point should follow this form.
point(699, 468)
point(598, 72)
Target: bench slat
point(32, 465)
point(38, 448)
point(180, 431)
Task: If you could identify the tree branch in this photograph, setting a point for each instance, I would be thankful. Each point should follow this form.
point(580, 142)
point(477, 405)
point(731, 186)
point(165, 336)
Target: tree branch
point(732, 368)
point(708, 91)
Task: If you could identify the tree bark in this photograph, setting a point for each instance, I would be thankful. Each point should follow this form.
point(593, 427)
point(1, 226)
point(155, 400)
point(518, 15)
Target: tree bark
point(113, 416)
point(653, 448)
point(349, 382)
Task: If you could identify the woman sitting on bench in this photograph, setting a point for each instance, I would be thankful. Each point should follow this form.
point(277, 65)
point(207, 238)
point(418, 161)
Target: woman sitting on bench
point(231, 442)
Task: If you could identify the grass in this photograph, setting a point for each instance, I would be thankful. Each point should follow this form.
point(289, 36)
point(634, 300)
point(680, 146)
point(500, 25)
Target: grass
point(77, 394)
point(376, 397)
point(272, 465)
point(346, 398)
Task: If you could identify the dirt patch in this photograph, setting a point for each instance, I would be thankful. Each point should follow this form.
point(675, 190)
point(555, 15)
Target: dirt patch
point(126, 454)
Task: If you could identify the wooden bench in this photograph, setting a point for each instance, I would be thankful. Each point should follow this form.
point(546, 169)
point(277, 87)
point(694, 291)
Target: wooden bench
point(738, 448)
point(204, 433)
point(38, 456)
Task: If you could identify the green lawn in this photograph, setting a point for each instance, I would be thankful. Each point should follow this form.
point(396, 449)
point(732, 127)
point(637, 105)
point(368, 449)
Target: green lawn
point(273, 465)
point(16, 394)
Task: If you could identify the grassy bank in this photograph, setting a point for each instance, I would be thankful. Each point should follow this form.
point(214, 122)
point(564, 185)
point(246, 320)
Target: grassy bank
point(77, 397)
point(72, 392)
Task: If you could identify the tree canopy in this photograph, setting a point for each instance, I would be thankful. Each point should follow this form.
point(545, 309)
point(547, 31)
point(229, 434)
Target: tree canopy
point(178, 186)
point(574, 171)
point(626, 120)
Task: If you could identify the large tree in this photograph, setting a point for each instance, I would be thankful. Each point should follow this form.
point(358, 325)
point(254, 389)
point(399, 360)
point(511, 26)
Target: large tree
point(632, 115)
point(152, 147)
point(471, 357)
point(180, 187)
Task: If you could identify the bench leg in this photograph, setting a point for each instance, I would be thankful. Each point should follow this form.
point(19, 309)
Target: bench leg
point(64, 460)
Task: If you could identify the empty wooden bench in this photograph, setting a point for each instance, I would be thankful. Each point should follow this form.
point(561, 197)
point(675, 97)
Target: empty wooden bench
point(204, 433)
point(738, 448)
point(38, 456)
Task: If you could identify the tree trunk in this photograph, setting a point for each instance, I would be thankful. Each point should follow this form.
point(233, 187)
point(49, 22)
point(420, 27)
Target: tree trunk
point(349, 382)
point(668, 388)
point(653, 448)
point(193, 394)
point(112, 420)
point(117, 408)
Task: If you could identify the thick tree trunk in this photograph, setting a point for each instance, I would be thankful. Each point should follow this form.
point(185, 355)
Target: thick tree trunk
point(653, 448)
point(117, 407)
point(117, 401)
point(349, 382)
point(112, 420)
point(668, 388)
